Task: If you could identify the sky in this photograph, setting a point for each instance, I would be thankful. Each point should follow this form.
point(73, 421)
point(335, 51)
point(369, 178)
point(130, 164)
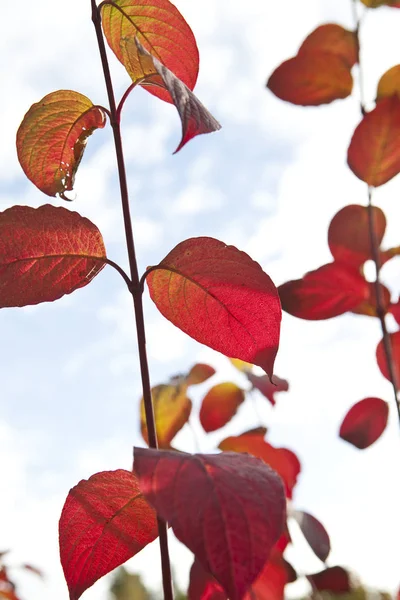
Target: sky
point(269, 182)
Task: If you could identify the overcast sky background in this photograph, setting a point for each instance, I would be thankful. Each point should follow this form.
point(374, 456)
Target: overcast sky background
point(269, 182)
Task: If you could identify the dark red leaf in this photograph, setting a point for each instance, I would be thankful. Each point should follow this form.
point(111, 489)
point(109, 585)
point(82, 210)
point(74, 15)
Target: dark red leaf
point(199, 373)
point(104, 522)
point(365, 422)
point(335, 39)
point(381, 357)
point(228, 509)
point(220, 297)
point(315, 534)
point(266, 387)
point(220, 405)
point(203, 586)
point(335, 580)
point(327, 292)
point(45, 253)
point(374, 151)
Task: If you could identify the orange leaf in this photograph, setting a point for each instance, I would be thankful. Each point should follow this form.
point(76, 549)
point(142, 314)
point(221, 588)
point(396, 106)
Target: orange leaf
point(220, 297)
point(219, 405)
point(378, 3)
point(161, 30)
point(365, 422)
point(199, 373)
point(52, 138)
point(311, 79)
point(334, 39)
point(241, 365)
point(389, 83)
point(172, 409)
point(381, 356)
point(45, 253)
point(374, 151)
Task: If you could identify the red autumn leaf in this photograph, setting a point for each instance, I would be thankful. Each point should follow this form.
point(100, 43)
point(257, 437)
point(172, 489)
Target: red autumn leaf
point(282, 460)
point(162, 31)
point(195, 118)
point(335, 580)
point(172, 409)
point(266, 387)
point(327, 292)
point(365, 422)
point(374, 151)
point(369, 307)
point(45, 253)
point(52, 138)
point(228, 509)
point(219, 405)
point(315, 534)
point(203, 586)
point(394, 309)
point(199, 373)
point(311, 79)
point(334, 39)
point(389, 83)
point(104, 522)
point(381, 356)
point(348, 233)
point(220, 297)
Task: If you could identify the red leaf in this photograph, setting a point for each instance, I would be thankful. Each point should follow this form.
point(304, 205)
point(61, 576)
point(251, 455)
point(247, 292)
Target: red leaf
point(203, 586)
point(334, 39)
point(365, 422)
point(220, 297)
point(394, 309)
point(199, 373)
point(45, 253)
point(219, 405)
point(327, 292)
point(266, 387)
point(163, 32)
point(311, 79)
point(52, 138)
point(315, 534)
point(104, 522)
point(369, 307)
point(228, 509)
point(283, 461)
point(335, 580)
point(374, 152)
point(381, 357)
point(348, 233)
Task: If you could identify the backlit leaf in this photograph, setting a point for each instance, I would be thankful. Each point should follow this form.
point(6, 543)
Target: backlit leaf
point(311, 79)
point(348, 233)
point(374, 151)
point(266, 387)
point(104, 522)
point(45, 253)
point(199, 373)
point(52, 138)
point(228, 509)
point(369, 307)
point(315, 534)
point(282, 460)
point(335, 580)
point(162, 31)
point(172, 409)
point(381, 356)
point(327, 292)
point(220, 297)
point(334, 39)
point(195, 118)
point(219, 405)
point(389, 83)
point(365, 422)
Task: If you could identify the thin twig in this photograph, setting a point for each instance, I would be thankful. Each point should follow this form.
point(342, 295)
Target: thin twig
point(135, 290)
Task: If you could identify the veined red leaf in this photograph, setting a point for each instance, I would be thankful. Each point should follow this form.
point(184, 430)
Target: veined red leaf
point(311, 79)
point(369, 307)
point(104, 522)
point(327, 292)
point(374, 151)
point(334, 39)
point(381, 357)
point(219, 405)
point(172, 409)
point(315, 534)
point(199, 373)
point(220, 297)
point(228, 509)
point(266, 387)
point(161, 30)
point(45, 253)
point(348, 233)
point(195, 118)
point(365, 422)
point(335, 580)
point(52, 138)
point(389, 83)
point(282, 460)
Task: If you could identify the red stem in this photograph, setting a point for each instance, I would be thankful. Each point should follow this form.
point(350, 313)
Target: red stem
point(136, 288)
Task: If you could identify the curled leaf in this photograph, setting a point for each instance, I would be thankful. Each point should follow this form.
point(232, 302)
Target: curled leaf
point(220, 405)
point(52, 138)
